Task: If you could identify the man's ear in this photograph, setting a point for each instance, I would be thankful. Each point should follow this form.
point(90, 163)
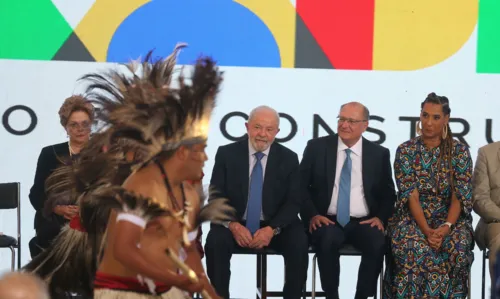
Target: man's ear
point(182, 152)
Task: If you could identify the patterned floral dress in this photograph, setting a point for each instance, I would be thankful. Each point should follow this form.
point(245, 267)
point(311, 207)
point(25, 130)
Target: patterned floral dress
point(415, 270)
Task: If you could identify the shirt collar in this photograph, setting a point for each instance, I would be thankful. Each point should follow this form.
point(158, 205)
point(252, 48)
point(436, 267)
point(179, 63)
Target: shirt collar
point(252, 151)
point(356, 148)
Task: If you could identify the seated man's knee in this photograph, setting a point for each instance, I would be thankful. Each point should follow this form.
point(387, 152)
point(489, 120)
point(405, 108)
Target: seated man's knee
point(327, 239)
point(218, 238)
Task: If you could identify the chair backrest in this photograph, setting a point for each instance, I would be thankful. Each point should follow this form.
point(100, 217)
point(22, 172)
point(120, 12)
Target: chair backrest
point(9, 195)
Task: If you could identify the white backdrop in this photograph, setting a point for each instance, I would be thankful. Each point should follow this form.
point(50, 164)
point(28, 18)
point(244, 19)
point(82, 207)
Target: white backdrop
point(300, 93)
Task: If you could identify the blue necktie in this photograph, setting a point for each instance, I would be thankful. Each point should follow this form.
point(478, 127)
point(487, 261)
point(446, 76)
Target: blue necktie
point(255, 197)
point(344, 198)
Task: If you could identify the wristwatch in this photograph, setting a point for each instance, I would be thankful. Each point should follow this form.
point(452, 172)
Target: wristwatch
point(449, 224)
point(276, 231)
point(226, 224)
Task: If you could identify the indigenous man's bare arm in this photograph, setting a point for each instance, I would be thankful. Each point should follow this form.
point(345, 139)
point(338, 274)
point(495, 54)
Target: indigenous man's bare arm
point(122, 256)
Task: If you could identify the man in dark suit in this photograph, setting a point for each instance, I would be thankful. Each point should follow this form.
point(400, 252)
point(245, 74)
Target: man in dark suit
point(261, 180)
point(349, 195)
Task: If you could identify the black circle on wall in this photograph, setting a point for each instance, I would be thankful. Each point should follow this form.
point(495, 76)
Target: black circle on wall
point(8, 127)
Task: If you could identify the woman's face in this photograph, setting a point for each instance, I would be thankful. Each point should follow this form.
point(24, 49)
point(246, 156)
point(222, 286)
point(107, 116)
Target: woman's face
point(433, 120)
point(78, 127)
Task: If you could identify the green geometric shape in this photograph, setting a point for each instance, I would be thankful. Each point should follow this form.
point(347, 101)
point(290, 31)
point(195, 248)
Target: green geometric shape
point(488, 37)
point(31, 29)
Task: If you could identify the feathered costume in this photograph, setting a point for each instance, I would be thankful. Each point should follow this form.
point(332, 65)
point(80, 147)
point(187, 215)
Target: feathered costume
point(143, 107)
point(77, 245)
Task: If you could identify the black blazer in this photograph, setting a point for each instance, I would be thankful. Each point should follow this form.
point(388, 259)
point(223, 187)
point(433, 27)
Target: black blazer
point(51, 157)
point(317, 173)
point(281, 200)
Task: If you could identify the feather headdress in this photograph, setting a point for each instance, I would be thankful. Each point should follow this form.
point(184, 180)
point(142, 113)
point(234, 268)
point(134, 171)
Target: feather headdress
point(140, 104)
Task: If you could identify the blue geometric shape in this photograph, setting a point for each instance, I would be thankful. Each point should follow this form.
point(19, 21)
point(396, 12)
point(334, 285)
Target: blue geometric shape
point(222, 29)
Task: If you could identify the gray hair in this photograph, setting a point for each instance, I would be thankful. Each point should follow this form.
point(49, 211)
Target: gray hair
point(366, 112)
point(264, 108)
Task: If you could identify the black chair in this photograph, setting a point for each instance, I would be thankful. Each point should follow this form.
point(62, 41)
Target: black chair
point(262, 292)
point(10, 199)
point(346, 250)
point(483, 284)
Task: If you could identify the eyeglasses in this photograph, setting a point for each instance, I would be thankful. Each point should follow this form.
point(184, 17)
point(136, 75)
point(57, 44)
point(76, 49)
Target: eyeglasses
point(76, 126)
point(350, 121)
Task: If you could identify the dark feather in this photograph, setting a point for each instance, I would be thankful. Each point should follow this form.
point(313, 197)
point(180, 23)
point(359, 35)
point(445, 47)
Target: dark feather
point(216, 210)
point(141, 103)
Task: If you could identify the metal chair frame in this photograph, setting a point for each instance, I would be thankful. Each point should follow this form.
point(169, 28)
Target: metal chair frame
point(17, 245)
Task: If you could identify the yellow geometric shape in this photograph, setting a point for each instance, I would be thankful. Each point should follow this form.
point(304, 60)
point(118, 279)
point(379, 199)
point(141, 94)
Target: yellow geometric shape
point(279, 16)
point(101, 22)
point(415, 34)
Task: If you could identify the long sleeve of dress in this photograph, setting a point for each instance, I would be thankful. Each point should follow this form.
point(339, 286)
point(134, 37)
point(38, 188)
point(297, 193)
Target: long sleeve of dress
point(37, 194)
point(462, 177)
point(404, 171)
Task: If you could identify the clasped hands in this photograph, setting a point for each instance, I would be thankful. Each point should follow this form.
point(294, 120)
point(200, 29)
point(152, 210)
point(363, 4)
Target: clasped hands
point(243, 237)
point(435, 237)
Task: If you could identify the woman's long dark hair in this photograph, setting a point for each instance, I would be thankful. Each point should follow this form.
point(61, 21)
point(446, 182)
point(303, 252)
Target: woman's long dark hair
point(446, 145)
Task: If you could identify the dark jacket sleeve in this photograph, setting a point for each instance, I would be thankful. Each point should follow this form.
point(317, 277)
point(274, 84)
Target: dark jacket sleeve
point(306, 171)
point(387, 191)
point(43, 169)
point(290, 210)
point(218, 179)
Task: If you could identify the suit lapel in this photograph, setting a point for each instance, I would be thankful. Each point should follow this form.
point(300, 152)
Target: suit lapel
point(272, 166)
point(244, 164)
point(331, 163)
point(365, 164)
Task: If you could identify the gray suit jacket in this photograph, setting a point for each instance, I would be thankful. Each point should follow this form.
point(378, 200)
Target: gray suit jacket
point(486, 190)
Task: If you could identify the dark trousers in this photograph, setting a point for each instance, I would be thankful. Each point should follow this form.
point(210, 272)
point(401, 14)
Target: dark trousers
point(292, 243)
point(369, 240)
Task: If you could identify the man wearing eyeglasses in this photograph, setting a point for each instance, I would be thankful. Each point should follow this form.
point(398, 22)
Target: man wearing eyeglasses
point(349, 195)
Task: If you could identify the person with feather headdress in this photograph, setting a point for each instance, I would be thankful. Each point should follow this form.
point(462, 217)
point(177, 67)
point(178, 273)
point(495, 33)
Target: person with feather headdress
point(77, 245)
point(156, 214)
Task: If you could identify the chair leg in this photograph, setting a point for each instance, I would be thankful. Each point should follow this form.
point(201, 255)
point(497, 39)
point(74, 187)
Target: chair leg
point(381, 284)
point(264, 277)
point(259, 277)
point(13, 263)
point(469, 288)
point(19, 254)
point(483, 283)
point(313, 291)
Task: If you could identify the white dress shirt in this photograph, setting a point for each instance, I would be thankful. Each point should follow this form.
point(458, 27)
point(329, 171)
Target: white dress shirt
point(252, 160)
point(358, 206)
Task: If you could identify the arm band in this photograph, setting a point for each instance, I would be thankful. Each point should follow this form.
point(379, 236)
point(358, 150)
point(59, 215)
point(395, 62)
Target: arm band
point(132, 219)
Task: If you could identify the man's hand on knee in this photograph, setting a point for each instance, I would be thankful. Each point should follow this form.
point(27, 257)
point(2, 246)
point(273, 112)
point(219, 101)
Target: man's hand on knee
point(241, 234)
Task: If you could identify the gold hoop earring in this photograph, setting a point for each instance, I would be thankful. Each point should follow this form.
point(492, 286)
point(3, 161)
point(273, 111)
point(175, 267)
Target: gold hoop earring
point(445, 132)
point(419, 128)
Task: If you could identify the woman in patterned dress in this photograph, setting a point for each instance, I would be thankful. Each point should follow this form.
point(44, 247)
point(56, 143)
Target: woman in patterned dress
point(431, 231)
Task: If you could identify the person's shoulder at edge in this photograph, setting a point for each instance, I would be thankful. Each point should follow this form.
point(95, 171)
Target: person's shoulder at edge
point(494, 146)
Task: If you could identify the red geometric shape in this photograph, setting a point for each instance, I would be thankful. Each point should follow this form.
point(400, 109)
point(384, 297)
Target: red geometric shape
point(343, 29)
